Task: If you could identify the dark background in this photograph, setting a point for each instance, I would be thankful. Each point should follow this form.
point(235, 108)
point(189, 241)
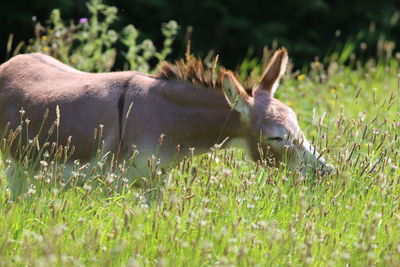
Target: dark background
point(308, 28)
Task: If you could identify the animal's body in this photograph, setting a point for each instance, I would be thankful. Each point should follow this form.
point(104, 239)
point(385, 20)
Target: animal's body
point(136, 108)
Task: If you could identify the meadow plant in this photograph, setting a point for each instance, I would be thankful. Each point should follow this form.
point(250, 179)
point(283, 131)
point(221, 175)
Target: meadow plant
point(223, 209)
point(219, 208)
point(140, 55)
point(90, 44)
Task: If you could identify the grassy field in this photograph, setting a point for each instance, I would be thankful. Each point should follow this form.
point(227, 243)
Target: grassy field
point(222, 209)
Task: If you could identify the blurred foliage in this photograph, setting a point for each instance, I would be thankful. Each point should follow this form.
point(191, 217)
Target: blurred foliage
point(90, 44)
point(140, 55)
point(307, 28)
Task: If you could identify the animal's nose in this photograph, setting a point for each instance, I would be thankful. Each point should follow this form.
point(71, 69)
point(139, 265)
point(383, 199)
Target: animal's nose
point(326, 169)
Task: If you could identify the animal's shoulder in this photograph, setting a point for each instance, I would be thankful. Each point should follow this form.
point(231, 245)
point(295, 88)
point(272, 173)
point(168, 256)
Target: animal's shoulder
point(38, 62)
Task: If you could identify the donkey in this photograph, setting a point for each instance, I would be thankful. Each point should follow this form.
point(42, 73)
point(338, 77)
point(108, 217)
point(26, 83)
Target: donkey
point(188, 105)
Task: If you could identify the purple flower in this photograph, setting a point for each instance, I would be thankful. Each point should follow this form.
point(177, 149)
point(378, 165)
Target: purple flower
point(394, 167)
point(83, 20)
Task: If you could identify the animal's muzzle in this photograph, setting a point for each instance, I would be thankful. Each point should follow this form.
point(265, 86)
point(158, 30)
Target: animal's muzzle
point(325, 169)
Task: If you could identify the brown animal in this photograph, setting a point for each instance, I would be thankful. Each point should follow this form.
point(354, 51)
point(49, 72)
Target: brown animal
point(191, 106)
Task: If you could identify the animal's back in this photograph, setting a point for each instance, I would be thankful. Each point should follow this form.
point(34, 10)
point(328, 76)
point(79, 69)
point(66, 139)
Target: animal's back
point(36, 82)
point(39, 77)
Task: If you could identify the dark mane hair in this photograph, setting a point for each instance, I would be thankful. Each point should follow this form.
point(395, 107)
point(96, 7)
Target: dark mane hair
point(193, 70)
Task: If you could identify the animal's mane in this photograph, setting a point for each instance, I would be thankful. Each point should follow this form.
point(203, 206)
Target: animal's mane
point(193, 70)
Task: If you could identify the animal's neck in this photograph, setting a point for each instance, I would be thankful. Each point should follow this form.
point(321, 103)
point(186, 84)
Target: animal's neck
point(204, 116)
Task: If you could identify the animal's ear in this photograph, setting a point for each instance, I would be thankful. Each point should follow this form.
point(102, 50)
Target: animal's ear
point(273, 73)
point(236, 95)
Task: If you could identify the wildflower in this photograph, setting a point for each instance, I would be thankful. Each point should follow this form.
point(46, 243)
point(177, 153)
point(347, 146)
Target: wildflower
point(333, 90)
point(309, 260)
point(73, 60)
point(346, 255)
point(44, 37)
point(289, 103)
point(59, 230)
point(301, 77)
point(110, 179)
point(394, 167)
point(45, 49)
point(203, 222)
point(250, 206)
point(226, 172)
point(38, 177)
point(371, 255)
point(87, 188)
point(83, 20)
point(31, 190)
point(43, 163)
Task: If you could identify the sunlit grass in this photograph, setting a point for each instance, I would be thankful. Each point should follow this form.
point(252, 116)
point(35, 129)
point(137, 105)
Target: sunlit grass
point(224, 209)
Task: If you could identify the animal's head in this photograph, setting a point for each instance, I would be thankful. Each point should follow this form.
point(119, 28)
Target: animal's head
point(272, 131)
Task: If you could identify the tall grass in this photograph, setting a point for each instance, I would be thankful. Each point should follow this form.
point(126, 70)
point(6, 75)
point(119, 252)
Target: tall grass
point(222, 209)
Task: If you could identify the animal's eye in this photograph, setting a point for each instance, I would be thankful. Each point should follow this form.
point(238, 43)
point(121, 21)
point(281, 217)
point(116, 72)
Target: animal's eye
point(276, 139)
